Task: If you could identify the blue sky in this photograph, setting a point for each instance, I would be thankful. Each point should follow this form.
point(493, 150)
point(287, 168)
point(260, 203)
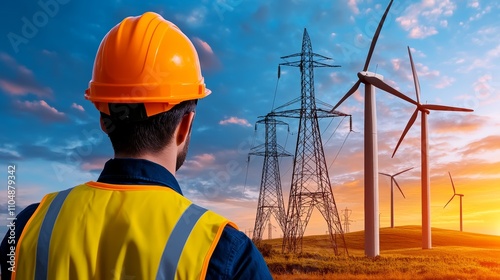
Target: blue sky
point(52, 134)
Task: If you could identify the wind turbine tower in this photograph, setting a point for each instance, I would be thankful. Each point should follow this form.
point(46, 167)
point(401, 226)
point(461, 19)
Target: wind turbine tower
point(371, 195)
point(271, 195)
point(456, 194)
point(393, 181)
point(424, 109)
point(310, 185)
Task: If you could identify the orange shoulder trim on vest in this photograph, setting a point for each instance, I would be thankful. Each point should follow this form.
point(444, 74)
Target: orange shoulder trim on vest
point(212, 247)
point(114, 187)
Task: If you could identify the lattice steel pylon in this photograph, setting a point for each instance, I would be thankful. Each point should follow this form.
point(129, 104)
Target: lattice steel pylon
point(310, 186)
point(347, 221)
point(271, 195)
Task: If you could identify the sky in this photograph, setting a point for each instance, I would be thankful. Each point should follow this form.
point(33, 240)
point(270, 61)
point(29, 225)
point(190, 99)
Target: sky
point(52, 135)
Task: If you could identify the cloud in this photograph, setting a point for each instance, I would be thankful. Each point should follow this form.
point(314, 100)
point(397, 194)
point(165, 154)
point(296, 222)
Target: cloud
point(94, 164)
point(77, 107)
point(25, 195)
point(445, 82)
point(401, 68)
point(216, 176)
point(8, 152)
point(353, 6)
point(485, 62)
point(454, 123)
point(208, 59)
point(494, 52)
point(357, 95)
point(419, 32)
point(75, 155)
point(41, 109)
point(48, 53)
point(426, 11)
point(487, 144)
point(424, 71)
point(200, 162)
point(235, 120)
point(205, 47)
point(18, 80)
point(194, 18)
point(485, 36)
point(473, 4)
point(396, 64)
point(29, 151)
point(482, 86)
point(480, 12)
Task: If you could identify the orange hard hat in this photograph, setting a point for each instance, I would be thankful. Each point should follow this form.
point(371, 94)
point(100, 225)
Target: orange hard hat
point(146, 59)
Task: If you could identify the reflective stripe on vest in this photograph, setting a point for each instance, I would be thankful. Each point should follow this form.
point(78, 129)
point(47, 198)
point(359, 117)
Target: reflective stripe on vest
point(103, 231)
point(175, 244)
point(42, 252)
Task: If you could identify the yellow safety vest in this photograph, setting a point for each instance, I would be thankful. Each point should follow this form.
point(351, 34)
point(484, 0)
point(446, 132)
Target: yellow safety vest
point(107, 231)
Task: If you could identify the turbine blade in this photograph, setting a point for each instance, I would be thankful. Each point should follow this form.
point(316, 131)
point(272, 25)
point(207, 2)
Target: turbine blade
point(375, 37)
point(403, 171)
point(449, 201)
point(407, 128)
point(349, 93)
point(453, 185)
point(375, 81)
point(385, 174)
point(415, 76)
point(445, 108)
point(397, 185)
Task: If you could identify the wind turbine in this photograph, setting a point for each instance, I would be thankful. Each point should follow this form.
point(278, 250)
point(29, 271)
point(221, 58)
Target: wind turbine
point(456, 194)
point(425, 110)
point(371, 80)
point(393, 181)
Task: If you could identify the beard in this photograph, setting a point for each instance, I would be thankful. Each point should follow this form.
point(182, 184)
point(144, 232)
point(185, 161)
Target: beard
point(181, 156)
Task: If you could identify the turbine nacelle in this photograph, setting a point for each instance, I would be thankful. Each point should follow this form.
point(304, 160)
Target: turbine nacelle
point(363, 74)
point(376, 80)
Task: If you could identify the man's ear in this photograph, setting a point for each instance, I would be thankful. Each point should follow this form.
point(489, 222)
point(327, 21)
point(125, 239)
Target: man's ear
point(103, 125)
point(184, 128)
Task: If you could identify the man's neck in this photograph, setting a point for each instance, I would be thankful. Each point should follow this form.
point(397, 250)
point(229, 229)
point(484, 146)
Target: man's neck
point(166, 158)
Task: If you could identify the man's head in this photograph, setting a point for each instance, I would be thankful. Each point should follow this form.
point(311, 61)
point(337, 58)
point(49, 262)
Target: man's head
point(145, 83)
point(135, 138)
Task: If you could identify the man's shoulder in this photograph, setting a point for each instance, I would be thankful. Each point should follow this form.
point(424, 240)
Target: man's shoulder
point(26, 213)
point(236, 257)
point(233, 235)
point(21, 220)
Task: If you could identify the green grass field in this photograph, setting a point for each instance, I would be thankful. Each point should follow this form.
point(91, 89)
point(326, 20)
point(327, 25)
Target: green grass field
point(455, 255)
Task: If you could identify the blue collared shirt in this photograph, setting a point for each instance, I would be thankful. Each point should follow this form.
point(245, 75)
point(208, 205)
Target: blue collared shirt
point(234, 257)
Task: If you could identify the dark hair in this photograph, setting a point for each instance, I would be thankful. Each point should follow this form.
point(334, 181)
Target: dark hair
point(131, 133)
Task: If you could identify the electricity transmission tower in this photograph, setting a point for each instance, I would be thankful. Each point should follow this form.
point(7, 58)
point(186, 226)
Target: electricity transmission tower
point(310, 185)
point(270, 230)
point(270, 196)
point(347, 221)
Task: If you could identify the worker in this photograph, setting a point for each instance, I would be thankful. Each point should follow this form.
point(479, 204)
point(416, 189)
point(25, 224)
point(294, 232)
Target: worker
point(134, 222)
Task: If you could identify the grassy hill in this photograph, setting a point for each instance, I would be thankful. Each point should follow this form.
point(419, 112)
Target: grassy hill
point(455, 255)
